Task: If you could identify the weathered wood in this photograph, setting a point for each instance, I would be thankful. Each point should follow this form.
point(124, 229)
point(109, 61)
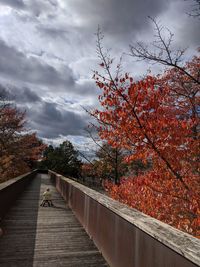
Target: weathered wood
point(125, 236)
point(45, 236)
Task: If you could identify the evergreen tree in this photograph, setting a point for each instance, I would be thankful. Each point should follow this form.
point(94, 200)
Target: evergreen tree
point(62, 159)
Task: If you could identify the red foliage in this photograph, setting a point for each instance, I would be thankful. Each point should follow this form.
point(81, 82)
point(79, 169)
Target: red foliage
point(164, 199)
point(157, 119)
point(87, 170)
point(17, 149)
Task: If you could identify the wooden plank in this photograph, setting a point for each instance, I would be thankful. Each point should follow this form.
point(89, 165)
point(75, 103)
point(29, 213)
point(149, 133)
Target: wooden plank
point(45, 236)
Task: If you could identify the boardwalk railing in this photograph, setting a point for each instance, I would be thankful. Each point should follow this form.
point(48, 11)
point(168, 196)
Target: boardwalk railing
point(10, 190)
point(125, 236)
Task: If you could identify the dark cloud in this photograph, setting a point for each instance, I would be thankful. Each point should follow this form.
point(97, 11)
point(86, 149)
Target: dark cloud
point(87, 88)
point(13, 3)
point(53, 32)
point(28, 96)
point(120, 20)
point(18, 66)
point(3, 92)
point(53, 2)
point(19, 95)
point(118, 17)
point(56, 37)
point(49, 119)
point(24, 96)
point(190, 34)
point(38, 7)
point(51, 122)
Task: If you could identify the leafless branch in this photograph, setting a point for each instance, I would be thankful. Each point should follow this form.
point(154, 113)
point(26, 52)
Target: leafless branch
point(82, 155)
point(161, 51)
point(195, 12)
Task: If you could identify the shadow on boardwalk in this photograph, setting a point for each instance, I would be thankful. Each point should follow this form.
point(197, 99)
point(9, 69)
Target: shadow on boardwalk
point(20, 226)
point(45, 236)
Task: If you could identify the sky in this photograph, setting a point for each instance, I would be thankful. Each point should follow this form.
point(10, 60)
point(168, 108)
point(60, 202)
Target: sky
point(48, 54)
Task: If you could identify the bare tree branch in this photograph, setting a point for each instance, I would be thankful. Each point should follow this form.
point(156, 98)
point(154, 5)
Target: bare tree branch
point(195, 12)
point(162, 51)
point(82, 155)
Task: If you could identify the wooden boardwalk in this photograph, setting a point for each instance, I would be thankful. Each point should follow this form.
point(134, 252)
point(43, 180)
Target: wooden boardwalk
point(45, 236)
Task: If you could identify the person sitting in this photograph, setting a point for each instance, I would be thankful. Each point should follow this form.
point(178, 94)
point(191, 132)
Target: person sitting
point(47, 198)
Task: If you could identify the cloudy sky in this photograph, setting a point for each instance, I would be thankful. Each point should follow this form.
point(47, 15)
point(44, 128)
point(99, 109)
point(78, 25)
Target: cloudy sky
point(47, 54)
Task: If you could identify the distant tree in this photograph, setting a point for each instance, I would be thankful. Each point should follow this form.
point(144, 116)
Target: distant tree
point(18, 150)
point(62, 159)
point(137, 167)
point(110, 163)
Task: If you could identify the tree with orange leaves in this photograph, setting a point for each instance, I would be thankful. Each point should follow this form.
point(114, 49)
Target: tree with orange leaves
point(17, 150)
point(156, 119)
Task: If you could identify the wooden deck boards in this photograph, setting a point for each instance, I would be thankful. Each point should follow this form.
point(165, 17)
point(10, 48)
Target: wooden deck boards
point(45, 236)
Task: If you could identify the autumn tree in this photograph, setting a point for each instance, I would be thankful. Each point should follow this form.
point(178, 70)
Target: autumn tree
point(109, 162)
point(156, 119)
point(18, 149)
point(183, 79)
